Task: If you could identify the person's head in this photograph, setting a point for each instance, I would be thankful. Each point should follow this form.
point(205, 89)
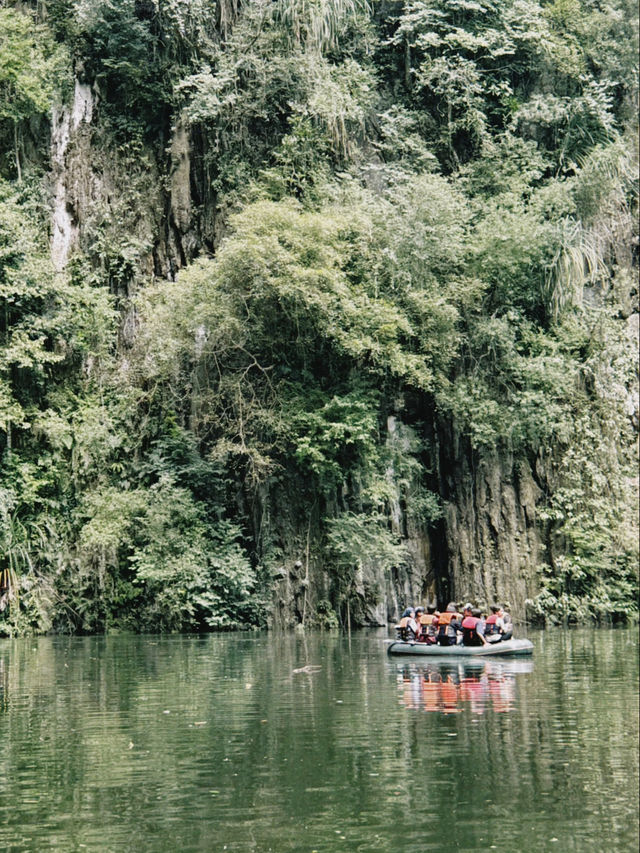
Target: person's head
point(419, 610)
point(431, 608)
point(506, 606)
point(476, 612)
point(468, 607)
point(410, 612)
point(495, 608)
point(451, 607)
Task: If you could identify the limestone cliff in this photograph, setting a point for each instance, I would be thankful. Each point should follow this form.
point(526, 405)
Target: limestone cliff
point(141, 215)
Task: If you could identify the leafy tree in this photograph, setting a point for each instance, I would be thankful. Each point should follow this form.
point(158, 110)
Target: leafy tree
point(414, 228)
point(31, 67)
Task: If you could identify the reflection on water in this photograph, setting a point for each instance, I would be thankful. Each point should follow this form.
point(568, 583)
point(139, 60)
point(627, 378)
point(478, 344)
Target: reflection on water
point(290, 744)
point(446, 686)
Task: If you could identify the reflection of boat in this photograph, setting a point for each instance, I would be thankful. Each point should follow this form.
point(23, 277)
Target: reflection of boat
point(459, 667)
point(447, 685)
point(491, 666)
point(505, 647)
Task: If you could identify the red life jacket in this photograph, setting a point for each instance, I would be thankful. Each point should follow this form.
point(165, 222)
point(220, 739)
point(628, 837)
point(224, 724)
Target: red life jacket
point(490, 625)
point(469, 635)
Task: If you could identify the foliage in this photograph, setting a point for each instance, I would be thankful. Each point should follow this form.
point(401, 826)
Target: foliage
point(325, 616)
point(359, 545)
point(32, 67)
point(471, 64)
point(191, 573)
point(591, 515)
point(413, 224)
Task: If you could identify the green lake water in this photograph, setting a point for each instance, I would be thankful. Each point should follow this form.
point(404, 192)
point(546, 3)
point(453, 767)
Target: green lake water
point(182, 743)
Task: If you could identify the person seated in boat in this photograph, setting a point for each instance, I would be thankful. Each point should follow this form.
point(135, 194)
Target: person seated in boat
point(508, 624)
point(429, 624)
point(419, 611)
point(473, 628)
point(495, 629)
point(407, 628)
point(448, 626)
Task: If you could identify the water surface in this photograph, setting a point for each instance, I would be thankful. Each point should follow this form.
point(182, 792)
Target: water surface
point(216, 743)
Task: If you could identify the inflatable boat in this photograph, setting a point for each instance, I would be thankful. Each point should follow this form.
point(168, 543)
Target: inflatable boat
point(504, 647)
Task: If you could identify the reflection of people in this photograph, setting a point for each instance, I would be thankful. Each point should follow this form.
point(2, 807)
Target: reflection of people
point(449, 691)
point(431, 690)
point(446, 687)
point(501, 691)
point(473, 689)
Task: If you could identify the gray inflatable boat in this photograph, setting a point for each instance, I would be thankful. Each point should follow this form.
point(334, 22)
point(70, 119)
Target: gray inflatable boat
point(504, 647)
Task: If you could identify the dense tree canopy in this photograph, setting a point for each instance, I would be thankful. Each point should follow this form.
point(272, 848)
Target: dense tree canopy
point(424, 208)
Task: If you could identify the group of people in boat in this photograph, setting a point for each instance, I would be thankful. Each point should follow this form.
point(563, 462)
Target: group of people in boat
point(456, 624)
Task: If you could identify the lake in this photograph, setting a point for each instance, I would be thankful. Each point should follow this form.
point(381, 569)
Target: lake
point(214, 743)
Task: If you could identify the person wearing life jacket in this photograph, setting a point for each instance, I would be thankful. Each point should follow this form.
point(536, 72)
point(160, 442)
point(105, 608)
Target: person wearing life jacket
point(419, 614)
point(425, 621)
point(473, 628)
point(407, 627)
point(429, 624)
point(494, 625)
point(508, 624)
point(448, 626)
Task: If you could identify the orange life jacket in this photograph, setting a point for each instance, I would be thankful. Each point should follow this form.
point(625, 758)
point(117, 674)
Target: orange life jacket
point(422, 625)
point(403, 630)
point(429, 624)
point(444, 624)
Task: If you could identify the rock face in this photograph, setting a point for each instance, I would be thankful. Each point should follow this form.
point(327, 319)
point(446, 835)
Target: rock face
point(113, 203)
point(490, 532)
point(485, 547)
point(69, 124)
